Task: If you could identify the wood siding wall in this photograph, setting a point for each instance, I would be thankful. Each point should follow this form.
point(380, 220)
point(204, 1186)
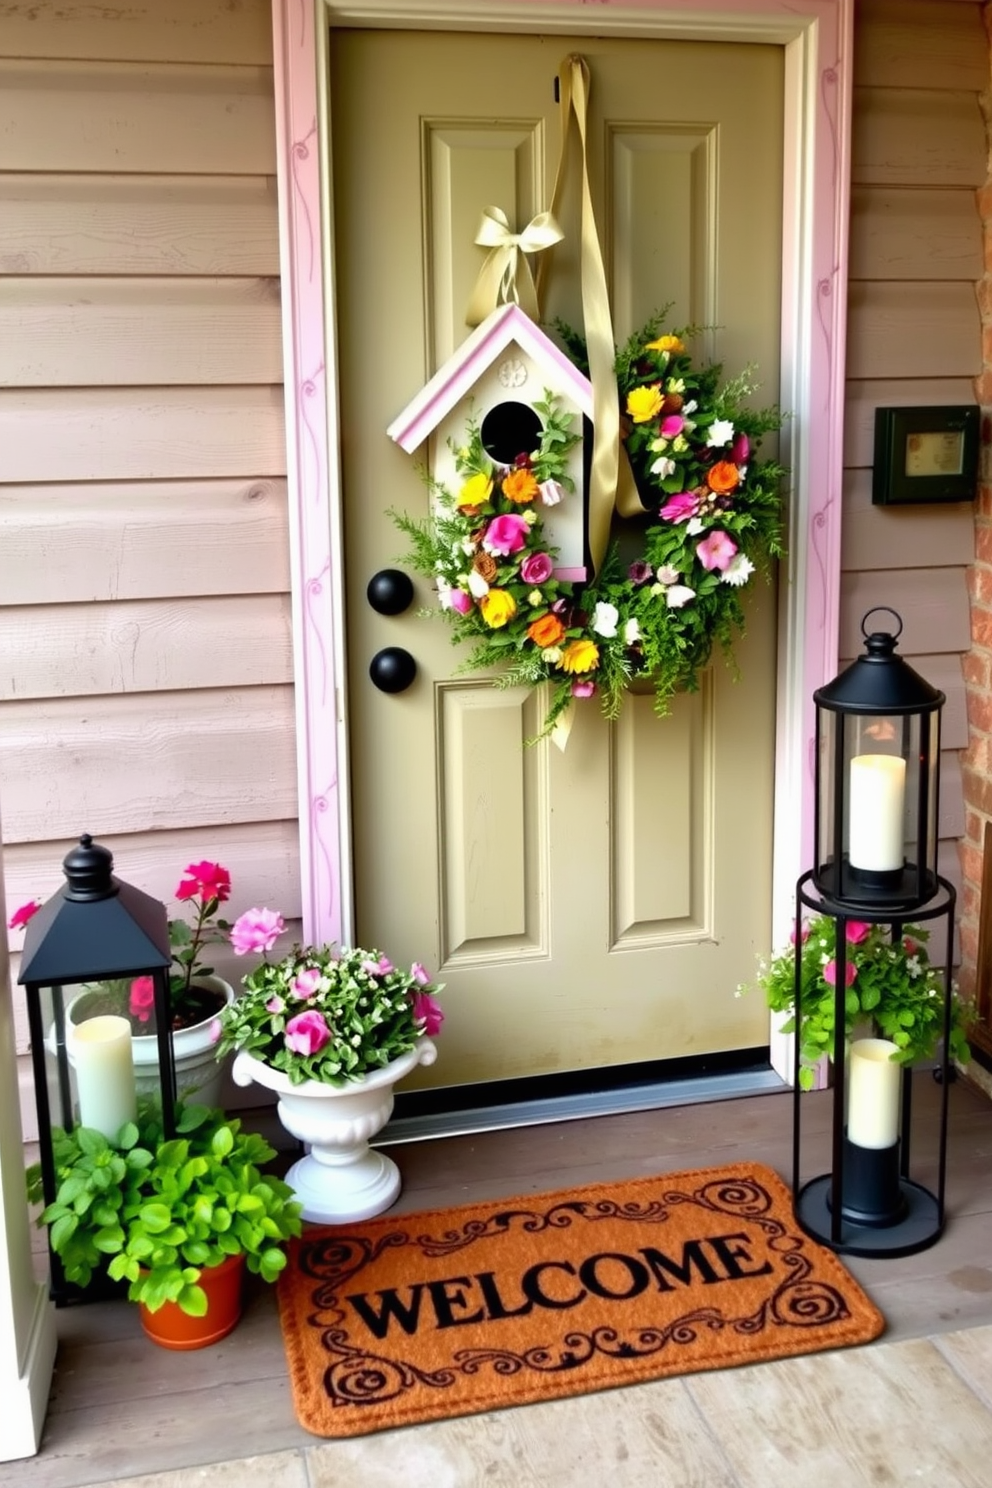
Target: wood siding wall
point(914, 331)
point(145, 666)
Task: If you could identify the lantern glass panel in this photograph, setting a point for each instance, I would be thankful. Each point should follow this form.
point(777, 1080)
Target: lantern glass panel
point(89, 1059)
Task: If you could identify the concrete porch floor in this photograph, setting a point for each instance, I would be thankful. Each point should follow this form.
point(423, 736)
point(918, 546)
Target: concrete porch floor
point(915, 1407)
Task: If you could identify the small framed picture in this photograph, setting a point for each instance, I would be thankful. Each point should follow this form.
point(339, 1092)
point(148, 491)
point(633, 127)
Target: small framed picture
point(925, 455)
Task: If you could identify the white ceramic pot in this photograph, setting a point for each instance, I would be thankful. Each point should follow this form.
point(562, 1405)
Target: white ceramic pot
point(199, 1075)
point(341, 1178)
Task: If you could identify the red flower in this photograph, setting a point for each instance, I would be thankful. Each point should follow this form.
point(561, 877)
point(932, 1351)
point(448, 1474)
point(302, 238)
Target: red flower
point(208, 880)
point(21, 916)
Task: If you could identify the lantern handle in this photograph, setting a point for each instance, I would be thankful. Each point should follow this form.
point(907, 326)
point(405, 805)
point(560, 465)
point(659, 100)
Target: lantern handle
point(878, 610)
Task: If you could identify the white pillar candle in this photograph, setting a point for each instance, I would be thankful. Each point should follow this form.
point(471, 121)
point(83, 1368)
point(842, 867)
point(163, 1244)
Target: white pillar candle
point(873, 1093)
point(877, 796)
point(104, 1064)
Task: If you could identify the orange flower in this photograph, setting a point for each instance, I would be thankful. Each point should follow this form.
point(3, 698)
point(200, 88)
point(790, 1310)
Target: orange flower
point(580, 656)
point(520, 485)
point(545, 631)
point(723, 477)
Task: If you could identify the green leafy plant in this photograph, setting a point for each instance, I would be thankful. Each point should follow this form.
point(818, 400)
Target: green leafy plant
point(891, 986)
point(156, 1212)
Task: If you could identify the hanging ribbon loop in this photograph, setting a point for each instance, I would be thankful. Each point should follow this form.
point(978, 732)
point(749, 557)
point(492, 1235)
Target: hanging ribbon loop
point(505, 277)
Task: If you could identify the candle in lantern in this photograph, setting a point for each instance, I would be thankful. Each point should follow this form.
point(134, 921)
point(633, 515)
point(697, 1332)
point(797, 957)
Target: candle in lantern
point(878, 789)
point(104, 1064)
point(873, 1093)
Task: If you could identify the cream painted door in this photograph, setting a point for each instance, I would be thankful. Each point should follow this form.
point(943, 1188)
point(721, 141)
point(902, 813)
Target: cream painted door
point(597, 906)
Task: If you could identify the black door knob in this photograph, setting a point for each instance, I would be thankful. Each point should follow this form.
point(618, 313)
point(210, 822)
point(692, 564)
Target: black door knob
point(393, 669)
point(390, 591)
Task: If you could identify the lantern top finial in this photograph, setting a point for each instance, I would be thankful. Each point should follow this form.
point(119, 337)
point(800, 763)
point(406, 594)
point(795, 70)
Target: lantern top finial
point(881, 642)
point(89, 872)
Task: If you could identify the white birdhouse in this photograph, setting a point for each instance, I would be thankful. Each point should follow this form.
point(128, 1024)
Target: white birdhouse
point(496, 376)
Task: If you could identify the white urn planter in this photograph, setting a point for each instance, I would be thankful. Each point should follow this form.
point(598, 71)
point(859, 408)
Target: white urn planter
point(341, 1178)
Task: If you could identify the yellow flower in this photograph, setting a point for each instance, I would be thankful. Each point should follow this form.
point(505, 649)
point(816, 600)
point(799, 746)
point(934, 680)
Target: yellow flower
point(498, 607)
point(644, 403)
point(580, 656)
point(666, 343)
point(477, 489)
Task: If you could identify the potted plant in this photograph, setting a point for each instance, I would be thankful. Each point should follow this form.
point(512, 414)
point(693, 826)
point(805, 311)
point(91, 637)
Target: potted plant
point(331, 1030)
point(892, 990)
point(178, 1219)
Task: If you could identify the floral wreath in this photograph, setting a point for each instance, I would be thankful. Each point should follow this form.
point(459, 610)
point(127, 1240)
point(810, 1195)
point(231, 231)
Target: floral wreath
point(712, 520)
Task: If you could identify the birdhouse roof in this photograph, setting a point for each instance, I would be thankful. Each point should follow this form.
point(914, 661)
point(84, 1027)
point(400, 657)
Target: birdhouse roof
point(451, 383)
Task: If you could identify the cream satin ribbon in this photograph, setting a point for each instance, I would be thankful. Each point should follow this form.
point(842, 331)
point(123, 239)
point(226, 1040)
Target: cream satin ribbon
point(505, 277)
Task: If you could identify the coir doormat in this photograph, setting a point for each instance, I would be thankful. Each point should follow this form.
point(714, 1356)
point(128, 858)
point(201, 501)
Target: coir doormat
point(419, 1316)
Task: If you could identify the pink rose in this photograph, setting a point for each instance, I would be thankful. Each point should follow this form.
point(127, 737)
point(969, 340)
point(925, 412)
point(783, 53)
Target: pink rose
point(420, 974)
point(679, 508)
point(306, 983)
point(830, 973)
point(857, 931)
point(535, 568)
point(506, 535)
point(740, 449)
point(256, 931)
point(716, 550)
point(382, 967)
point(206, 880)
point(274, 1005)
point(672, 425)
point(804, 934)
point(460, 601)
point(141, 1000)
point(21, 916)
point(583, 689)
point(426, 1011)
point(307, 1033)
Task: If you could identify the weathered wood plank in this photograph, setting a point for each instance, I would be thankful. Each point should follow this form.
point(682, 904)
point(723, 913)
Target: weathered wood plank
point(71, 650)
point(92, 224)
point(914, 329)
point(917, 137)
point(920, 45)
point(147, 332)
point(902, 536)
point(133, 763)
point(113, 434)
point(139, 30)
point(165, 538)
point(933, 604)
point(899, 233)
point(863, 397)
point(69, 116)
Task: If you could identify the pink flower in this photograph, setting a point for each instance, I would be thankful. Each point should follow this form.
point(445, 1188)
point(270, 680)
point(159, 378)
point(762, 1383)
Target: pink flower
point(910, 946)
point(426, 1011)
point(740, 449)
point(420, 974)
point(142, 998)
point(672, 424)
point(460, 601)
point(803, 932)
point(21, 916)
point(716, 550)
point(506, 534)
point(857, 931)
point(306, 983)
point(257, 930)
point(830, 973)
point(583, 689)
point(307, 1033)
point(214, 1031)
point(680, 508)
point(206, 880)
point(274, 1005)
point(382, 967)
point(535, 568)
point(551, 493)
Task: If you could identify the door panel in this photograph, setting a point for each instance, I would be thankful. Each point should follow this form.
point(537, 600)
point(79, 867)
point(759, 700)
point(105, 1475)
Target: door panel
point(596, 906)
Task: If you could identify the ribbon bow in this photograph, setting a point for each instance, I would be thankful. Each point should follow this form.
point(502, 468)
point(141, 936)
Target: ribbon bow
point(505, 277)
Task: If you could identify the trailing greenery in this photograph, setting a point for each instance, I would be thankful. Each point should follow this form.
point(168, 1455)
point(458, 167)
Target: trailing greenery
point(156, 1212)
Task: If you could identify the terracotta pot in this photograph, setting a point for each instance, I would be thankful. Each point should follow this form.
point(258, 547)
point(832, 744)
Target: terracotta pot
point(172, 1328)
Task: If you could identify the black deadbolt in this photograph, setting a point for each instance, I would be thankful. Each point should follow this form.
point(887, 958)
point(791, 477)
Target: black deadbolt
point(393, 669)
point(390, 591)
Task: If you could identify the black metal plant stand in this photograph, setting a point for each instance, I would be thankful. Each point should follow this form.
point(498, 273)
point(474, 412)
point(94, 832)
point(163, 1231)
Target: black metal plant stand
point(868, 1204)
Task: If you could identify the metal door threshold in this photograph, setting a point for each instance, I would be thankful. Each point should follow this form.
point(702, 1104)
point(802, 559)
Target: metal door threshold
point(539, 1112)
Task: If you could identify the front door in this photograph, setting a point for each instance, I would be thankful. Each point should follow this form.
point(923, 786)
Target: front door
point(596, 906)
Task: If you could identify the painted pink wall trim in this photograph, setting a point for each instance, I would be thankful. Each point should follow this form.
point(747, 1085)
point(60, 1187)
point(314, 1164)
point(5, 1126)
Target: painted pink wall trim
point(817, 34)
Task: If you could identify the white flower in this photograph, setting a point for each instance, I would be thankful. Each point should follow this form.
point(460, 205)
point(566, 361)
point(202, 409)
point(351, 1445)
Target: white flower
point(660, 443)
point(676, 385)
point(632, 631)
point(552, 655)
point(913, 966)
point(663, 466)
point(689, 407)
point(604, 620)
point(551, 492)
point(721, 432)
point(534, 598)
point(477, 585)
point(678, 595)
point(468, 547)
point(694, 526)
point(443, 593)
point(737, 571)
point(667, 574)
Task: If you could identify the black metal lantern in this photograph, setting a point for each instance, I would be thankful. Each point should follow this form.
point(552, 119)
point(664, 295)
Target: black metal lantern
point(877, 757)
point(93, 939)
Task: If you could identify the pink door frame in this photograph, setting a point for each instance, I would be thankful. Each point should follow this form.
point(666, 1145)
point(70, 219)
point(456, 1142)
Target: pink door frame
point(816, 35)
